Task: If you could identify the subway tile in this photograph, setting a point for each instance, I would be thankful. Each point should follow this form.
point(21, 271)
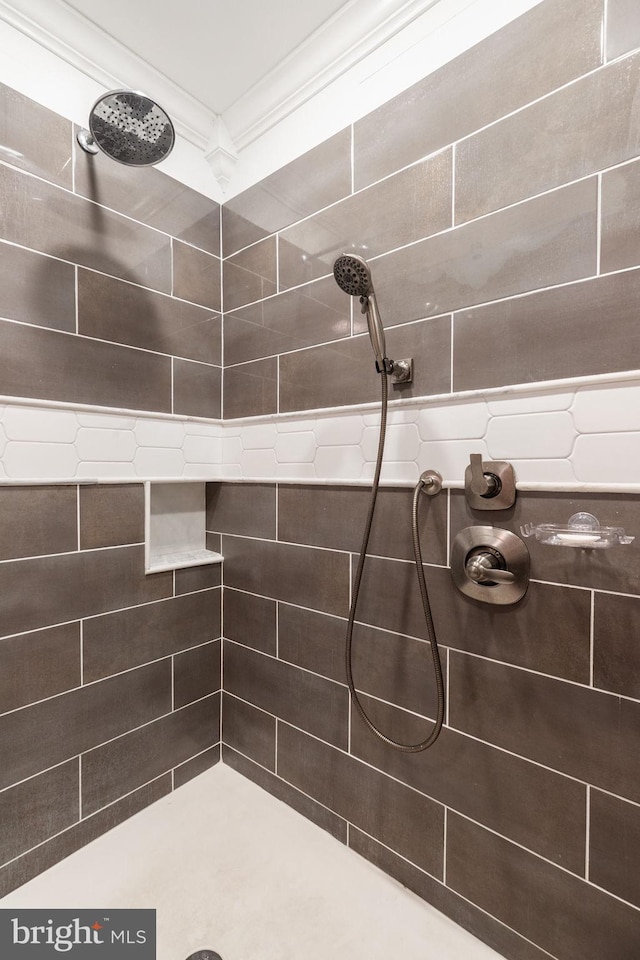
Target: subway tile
point(334, 517)
point(620, 243)
point(249, 731)
point(196, 389)
point(50, 220)
point(616, 656)
point(34, 138)
point(47, 733)
point(623, 27)
point(251, 389)
point(47, 365)
point(37, 809)
point(250, 620)
point(568, 135)
point(38, 520)
point(549, 334)
point(575, 730)
point(247, 509)
point(395, 668)
point(151, 197)
point(36, 289)
point(509, 795)
point(548, 240)
point(111, 515)
point(405, 821)
point(560, 913)
point(545, 48)
point(614, 846)
point(196, 673)
point(304, 805)
point(196, 276)
point(616, 570)
point(199, 578)
point(303, 575)
point(315, 313)
point(250, 275)
point(38, 665)
point(547, 631)
point(193, 768)
point(47, 854)
point(50, 590)
point(343, 372)
point(310, 182)
point(296, 696)
point(495, 934)
point(409, 206)
point(118, 767)
point(127, 638)
point(109, 309)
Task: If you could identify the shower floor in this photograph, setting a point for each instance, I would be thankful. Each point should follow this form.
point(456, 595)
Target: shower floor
point(230, 868)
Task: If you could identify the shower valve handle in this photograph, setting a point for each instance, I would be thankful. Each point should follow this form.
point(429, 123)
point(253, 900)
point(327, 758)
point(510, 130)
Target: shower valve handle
point(482, 569)
point(483, 484)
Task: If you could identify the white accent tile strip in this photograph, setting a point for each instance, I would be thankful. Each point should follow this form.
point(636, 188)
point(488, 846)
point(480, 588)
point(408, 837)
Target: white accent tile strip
point(583, 439)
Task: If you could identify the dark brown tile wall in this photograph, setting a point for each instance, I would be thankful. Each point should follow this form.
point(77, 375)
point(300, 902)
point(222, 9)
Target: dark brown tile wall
point(116, 689)
point(146, 251)
point(500, 194)
point(531, 794)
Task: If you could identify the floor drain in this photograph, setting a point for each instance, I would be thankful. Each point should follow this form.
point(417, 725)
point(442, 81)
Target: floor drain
point(205, 955)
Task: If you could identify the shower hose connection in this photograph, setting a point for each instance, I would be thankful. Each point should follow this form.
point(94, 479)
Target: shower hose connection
point(431, 633)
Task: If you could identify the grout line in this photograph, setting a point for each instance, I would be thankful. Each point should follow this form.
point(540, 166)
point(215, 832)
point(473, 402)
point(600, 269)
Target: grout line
point(604, 34)
point(444, 845)
point(453, 184)
point(77, 297)
point(599, 224)
point(275, 747)
point(592, 637)
point(79, 787)
point(81, 635)
point(171, 265)
point(352, 158)
point(78, 527)
point(173, 683)
point(588, 833)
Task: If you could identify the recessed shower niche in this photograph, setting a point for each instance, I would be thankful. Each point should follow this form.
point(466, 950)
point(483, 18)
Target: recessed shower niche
point(175, 526)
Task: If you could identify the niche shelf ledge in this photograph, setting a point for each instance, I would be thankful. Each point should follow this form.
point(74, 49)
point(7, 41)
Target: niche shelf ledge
point(175, 526)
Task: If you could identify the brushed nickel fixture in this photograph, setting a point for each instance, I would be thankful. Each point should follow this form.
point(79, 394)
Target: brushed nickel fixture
point(489, 484)
point(490, 564)
point(130, 128)
point(352, 275)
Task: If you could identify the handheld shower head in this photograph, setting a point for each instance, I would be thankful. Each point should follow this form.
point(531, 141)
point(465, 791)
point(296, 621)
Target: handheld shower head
point(129, 128)
point(352, 274)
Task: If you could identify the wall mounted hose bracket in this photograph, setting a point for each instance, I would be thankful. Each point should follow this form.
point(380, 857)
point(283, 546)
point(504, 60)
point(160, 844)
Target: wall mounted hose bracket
point(490, 564)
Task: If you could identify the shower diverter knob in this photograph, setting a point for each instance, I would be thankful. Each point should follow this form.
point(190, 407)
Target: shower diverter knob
point(490, 564)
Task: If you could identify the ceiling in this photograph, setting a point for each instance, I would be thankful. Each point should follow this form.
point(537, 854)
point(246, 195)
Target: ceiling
point(234, 45)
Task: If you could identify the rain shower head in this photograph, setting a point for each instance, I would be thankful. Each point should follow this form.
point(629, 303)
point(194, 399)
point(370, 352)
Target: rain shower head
point(353, 275)
point(129, 128)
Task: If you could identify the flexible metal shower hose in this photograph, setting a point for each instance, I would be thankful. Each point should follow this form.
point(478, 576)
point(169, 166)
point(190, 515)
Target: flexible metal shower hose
point(431, 633)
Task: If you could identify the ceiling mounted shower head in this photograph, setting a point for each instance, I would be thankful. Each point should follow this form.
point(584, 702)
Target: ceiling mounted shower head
point(129, 128)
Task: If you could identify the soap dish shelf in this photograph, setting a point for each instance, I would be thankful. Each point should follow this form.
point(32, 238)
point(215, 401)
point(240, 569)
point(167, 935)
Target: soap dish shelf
point(582, 531)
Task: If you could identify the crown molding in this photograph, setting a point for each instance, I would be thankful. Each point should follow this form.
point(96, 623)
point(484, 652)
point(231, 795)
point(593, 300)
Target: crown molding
point(75, 39)
point(353, 32)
